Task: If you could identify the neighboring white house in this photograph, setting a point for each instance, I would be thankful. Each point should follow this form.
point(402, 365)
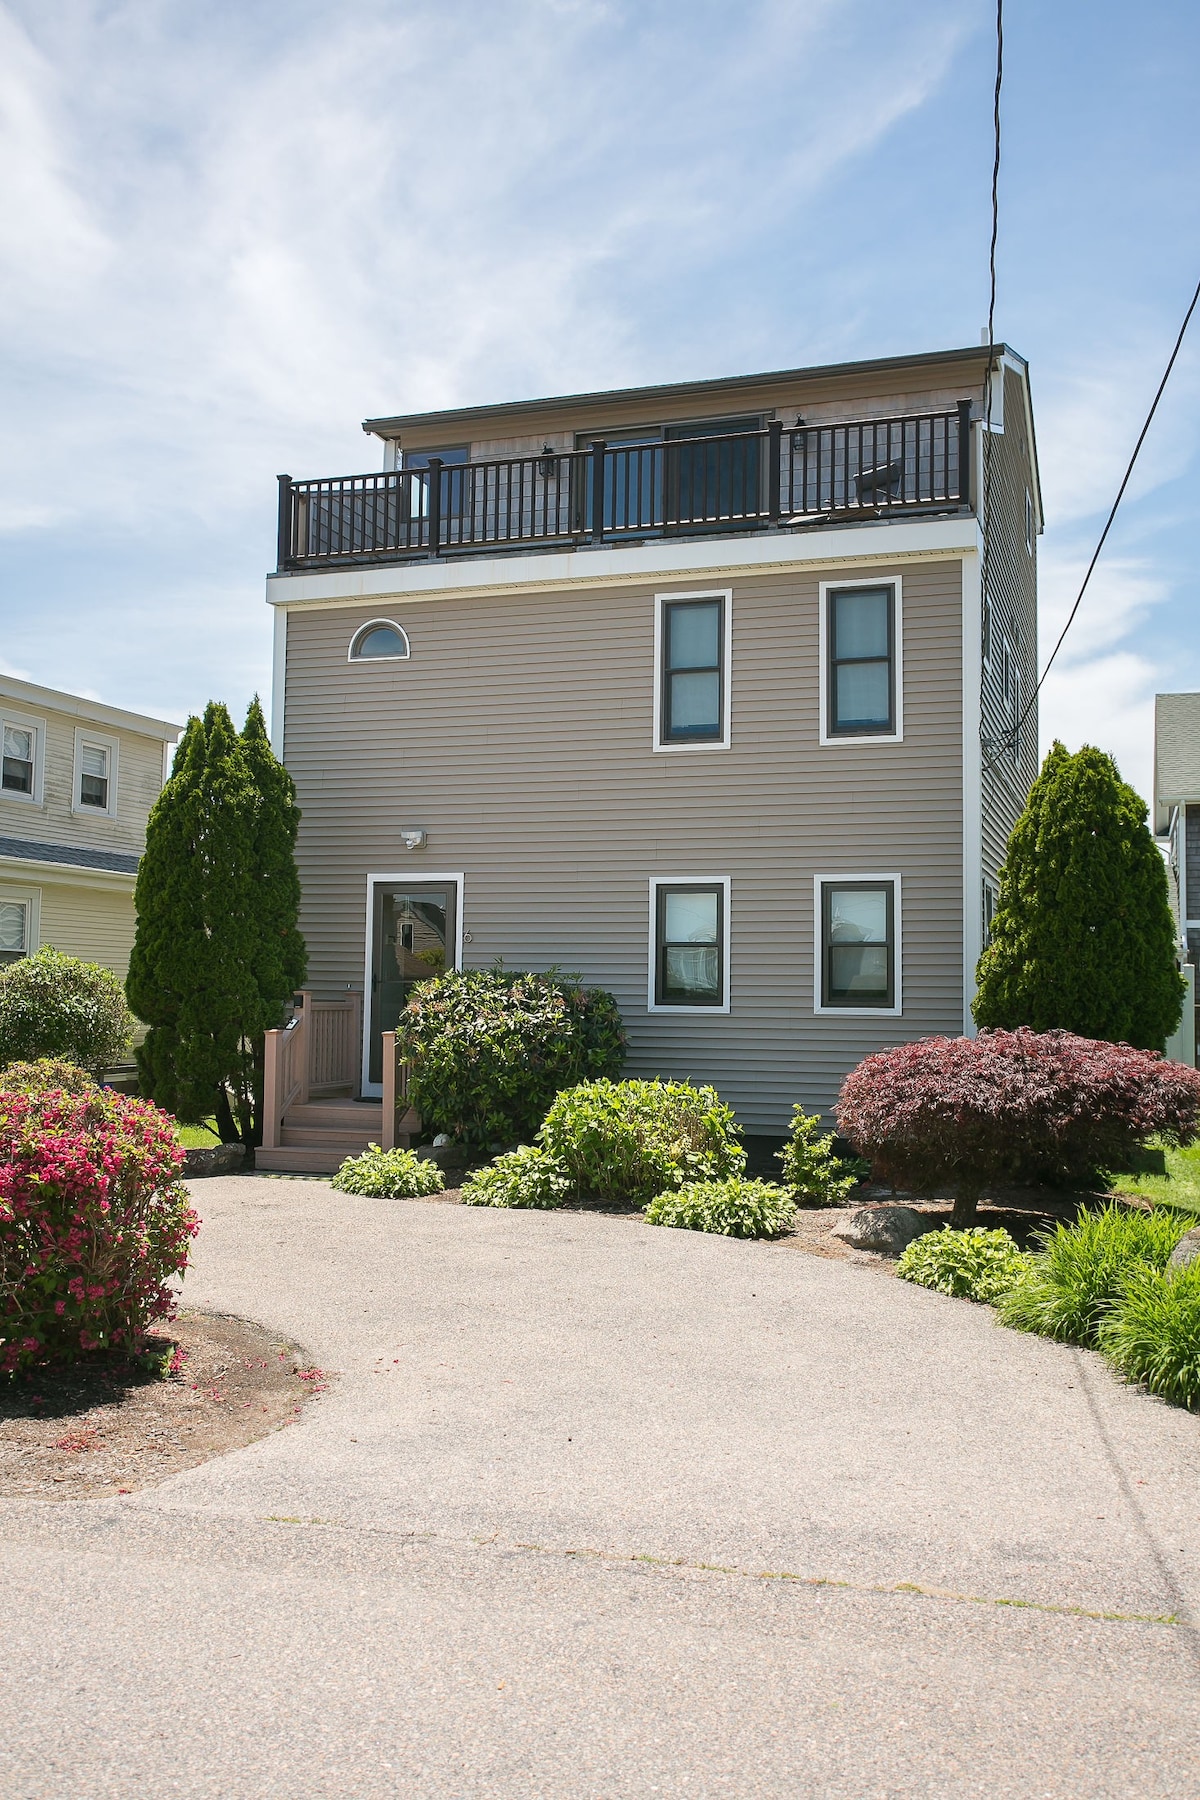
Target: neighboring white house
point(76, 786)
point(1177, 819)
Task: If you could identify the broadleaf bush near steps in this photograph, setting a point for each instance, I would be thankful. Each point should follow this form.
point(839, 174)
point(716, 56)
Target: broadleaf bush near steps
point(971, 1265)
point(1080, 1272)
point(733, 1207)
point(389, 1175)
point(525, 1177)
point(489, 1049)
point(46, 1072)
point(93, 1223)
point(1152, 1335)
point(630, 1140)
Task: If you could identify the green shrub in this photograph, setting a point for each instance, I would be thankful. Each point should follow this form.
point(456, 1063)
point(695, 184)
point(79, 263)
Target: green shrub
point(389, 1175)
point(971, 1265)
point(56, 1006)
point(45, 1074)
point(1153, 1333)
point(630, 1140)
point(734, 1208)
point(810, 1169)
point(1072, 1284)
point(524, 1177)
point(489, 1050)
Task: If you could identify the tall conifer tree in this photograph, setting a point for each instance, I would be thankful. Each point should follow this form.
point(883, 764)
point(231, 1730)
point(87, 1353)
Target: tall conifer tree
point(1083, 938)
point(216, 947)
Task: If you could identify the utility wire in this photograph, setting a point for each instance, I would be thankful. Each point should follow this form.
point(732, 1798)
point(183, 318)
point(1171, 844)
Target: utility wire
point(1187, 317)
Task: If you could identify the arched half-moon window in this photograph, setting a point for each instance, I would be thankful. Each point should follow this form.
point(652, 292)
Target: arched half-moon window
point(377, 640)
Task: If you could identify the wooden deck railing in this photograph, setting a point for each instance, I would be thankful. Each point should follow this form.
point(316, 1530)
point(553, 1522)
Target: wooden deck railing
point(318, 1052)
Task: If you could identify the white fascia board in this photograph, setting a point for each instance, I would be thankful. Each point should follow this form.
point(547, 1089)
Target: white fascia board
point(94, 711)
point(278, 681)
point(887, 541)
point(972, 780)
point(28, 868)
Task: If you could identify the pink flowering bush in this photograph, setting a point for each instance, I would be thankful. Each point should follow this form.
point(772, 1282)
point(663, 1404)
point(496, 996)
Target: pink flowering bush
point(93, 1223)
point(1016, 1106)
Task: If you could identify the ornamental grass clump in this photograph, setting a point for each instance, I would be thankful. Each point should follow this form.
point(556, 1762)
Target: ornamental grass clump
point(630, 1140)
point(971, 1265)
point(734, 1208)
point(1011, 1107)
point(93, 1224)
point(389, 1175)
point(1080, 1274)
point(811, 1169)
point(527, 1177)
point(489, 1049)
point(1152, 1334)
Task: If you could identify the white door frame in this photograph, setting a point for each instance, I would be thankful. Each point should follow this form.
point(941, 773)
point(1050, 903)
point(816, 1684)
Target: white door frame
point(405, 878)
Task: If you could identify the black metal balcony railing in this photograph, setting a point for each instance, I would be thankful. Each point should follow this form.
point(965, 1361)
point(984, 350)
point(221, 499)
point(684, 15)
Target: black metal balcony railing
point(610, 493)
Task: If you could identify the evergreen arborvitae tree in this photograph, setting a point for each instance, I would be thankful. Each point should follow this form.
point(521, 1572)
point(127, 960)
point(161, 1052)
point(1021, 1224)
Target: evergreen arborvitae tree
point(280, 959)
point(193, 974)
point(1083, 938)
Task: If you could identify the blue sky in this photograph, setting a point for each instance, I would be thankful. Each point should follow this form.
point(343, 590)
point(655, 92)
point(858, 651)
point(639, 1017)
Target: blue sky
point(233, 231)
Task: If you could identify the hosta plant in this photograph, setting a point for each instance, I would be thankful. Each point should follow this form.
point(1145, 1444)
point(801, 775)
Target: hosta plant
point(1011, 1106)
point(972, 1265)
point(389, 1175)
point(630, 1140)
point(1152, 1334)
point(734, 1208)
point(1079, 1275)
point(93, 1223)
point(527, 1176)
point(811, 1168)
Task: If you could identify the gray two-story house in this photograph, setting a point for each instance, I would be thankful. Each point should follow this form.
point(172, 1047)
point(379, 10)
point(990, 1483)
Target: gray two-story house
point(710, 692)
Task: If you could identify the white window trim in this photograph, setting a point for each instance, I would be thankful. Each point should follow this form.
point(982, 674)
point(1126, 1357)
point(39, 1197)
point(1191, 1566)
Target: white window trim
point(856, 1012)
point(371, 625)
point(824, 589)
point(661, 602)
point(31, 899)
point(661, 881)
point(418, 878)
point(100, 741)
point(26, 722)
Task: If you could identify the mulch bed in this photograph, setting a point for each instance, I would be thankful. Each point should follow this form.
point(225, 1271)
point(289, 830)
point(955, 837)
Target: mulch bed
point(92, 1429)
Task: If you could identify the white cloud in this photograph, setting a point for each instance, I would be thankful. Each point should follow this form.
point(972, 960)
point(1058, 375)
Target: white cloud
point(1107, 701)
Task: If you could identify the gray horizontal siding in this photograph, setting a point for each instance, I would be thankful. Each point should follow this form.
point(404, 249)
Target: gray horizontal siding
point(519, 737)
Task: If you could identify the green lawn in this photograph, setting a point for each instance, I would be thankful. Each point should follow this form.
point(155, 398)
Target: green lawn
point(1179, 1186)
point(198, 1137)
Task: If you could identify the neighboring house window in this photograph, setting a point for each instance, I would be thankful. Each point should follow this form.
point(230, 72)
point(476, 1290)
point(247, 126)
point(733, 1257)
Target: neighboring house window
point(858, 943)
point(95, 788)
point(990, 902)
point(690, 929)
point(18, 759)
point(693, 671)
point(379, 639)
point(20, 768)
point(14, 930)
point(860, 631)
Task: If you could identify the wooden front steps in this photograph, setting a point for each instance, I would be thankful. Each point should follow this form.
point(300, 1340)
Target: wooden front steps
point(318, 1136)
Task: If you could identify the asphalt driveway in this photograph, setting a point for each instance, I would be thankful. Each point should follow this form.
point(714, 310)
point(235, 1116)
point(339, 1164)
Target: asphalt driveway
point(596, 1509)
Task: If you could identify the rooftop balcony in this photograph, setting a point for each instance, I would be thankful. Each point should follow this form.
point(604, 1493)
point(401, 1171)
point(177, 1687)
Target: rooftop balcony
point(611, 493)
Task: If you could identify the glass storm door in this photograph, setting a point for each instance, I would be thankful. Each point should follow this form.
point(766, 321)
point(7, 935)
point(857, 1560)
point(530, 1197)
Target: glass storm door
point(412, 938)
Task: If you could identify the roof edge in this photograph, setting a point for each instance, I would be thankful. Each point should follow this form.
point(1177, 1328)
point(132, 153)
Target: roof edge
point(96, 712)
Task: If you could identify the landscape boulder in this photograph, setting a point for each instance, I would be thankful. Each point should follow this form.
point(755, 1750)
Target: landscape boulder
point(887, 1228)
point(1187, 1250)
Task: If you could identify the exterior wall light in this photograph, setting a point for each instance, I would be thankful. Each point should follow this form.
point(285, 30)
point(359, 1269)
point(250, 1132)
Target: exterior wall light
point(413, 840)
point(548, 462)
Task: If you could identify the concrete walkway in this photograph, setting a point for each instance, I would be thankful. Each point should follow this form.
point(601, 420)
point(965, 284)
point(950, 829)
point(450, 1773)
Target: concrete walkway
point(596, 1509)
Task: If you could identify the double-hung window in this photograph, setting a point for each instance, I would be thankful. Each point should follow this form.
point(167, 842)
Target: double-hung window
point(690, 927)
point(20, 766)
point(693, 671)
point(860, 632)
point(14, 930)
point(858, 943)
point(95, 773)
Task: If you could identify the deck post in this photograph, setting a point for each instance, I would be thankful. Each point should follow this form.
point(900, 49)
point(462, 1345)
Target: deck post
point(435, 505)
point(270, 1112)
point(964, 452)
point(774, 465)
point(283, 550)
point(599, 449)
point(390, 1095)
